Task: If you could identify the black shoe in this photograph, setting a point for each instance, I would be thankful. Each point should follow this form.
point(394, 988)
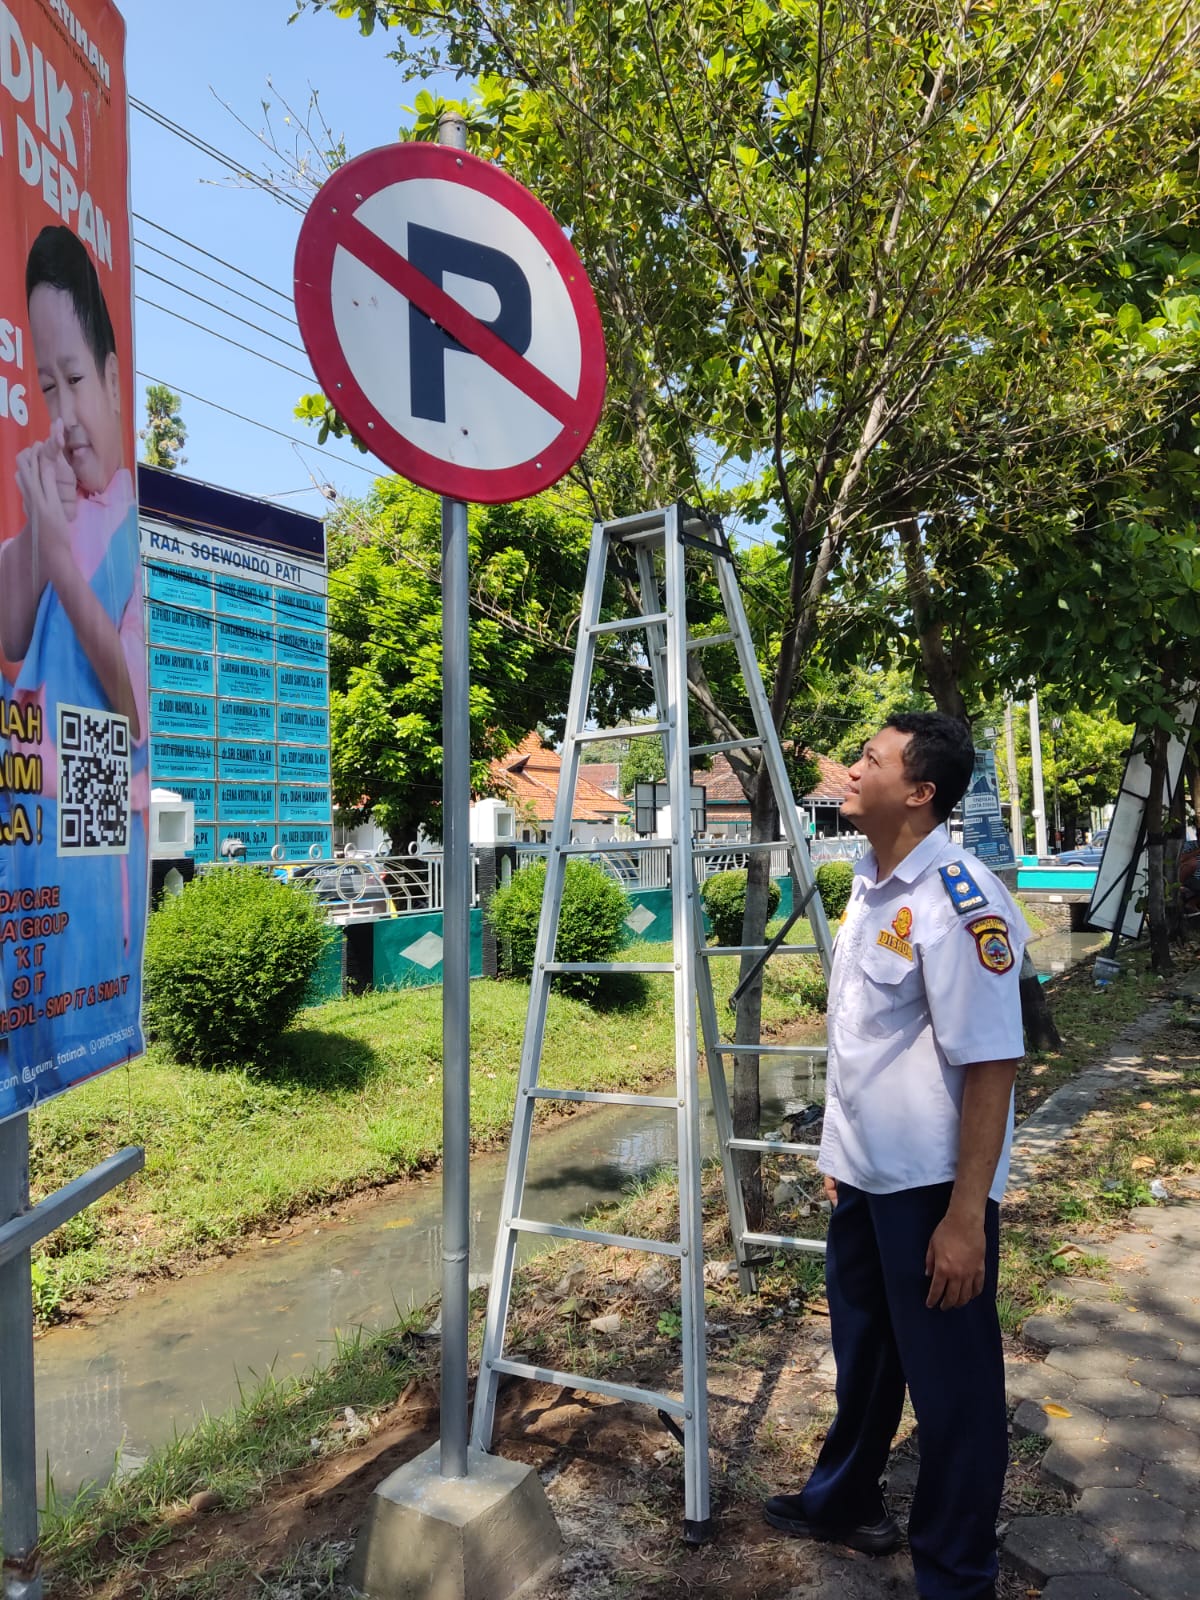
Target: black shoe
point(880, 1538)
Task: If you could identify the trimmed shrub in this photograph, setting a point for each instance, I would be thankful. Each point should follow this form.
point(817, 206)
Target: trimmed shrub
point(591, 923)
point(228, 965)
point(724, 897)
point(834, 882)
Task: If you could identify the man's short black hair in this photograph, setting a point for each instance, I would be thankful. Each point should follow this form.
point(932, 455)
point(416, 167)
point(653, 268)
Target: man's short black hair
point(940, 752)
point(58, 259)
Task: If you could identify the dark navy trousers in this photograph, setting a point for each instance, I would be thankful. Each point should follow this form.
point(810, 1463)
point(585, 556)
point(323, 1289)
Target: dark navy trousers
point(885, 1338)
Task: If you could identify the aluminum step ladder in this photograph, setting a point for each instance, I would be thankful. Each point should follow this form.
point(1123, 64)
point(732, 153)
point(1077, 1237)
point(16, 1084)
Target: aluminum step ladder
point(663, 544)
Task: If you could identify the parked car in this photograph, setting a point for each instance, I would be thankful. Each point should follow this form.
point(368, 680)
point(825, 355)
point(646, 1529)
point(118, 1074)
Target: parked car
point(1087, 855)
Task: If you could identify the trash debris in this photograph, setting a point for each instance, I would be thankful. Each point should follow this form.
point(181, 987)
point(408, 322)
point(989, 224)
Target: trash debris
point(1159, 1190)
point(718, 1271)
point(607, 1324)
point(785, 1193)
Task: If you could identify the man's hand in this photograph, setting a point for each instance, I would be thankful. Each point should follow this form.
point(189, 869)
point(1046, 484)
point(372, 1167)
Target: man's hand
point(954, 1262)
point(830, 1185)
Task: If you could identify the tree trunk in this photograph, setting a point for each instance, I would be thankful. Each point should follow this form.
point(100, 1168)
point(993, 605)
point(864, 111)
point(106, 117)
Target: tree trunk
point(1172, 850)
point(1156, 805)
point(747, 1102)
point(940, 674)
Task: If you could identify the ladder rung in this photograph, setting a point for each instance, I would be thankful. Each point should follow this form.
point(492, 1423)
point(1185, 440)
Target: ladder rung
point(614, 847)
point(767, 1145)
point(573, 1380)
point(726, 744)
point(739, 847)
point(608, 966)
point(757, 949)
point(639, 522)
point(784, 1241)
point(602, 1097)
point(770, 1049)
point(619, 1241)
point(628, 624)
point(701, 640)
point(634, 731)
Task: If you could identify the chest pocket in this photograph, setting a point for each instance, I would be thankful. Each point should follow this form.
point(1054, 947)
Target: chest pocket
point(888, 997)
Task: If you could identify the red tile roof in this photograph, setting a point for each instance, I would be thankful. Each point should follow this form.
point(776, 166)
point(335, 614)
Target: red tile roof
point(605, 775)
point(529, 775)
point(724, 790)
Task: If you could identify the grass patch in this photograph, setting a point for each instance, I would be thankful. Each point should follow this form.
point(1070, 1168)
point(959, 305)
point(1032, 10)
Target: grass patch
point(352, 1099)
point(280, 1425)
point(1100, 1173)
point(1088, 1020)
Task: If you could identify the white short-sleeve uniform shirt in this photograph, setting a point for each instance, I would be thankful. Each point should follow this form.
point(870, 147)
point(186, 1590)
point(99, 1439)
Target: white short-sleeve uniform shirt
point(925, 980)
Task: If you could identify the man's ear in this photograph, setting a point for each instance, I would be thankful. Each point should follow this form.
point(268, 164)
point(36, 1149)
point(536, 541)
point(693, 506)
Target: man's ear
point(921, 794)
point(112, 380)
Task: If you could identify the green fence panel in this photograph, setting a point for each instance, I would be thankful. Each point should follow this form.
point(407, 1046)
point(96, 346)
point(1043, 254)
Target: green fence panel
point(408, 950)
point(327, 979)
point(650, 915)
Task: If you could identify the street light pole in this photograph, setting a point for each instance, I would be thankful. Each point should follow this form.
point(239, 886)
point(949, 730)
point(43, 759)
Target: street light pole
point(1039, 790)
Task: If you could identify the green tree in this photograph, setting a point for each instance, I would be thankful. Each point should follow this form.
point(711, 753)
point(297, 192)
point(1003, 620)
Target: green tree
point(165, 433)
point(643, 762)
point(385, 648)
point(812, 226)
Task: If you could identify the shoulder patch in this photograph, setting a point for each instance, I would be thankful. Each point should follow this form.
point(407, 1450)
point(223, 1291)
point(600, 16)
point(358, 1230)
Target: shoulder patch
point(992, 943)
point(965, 894)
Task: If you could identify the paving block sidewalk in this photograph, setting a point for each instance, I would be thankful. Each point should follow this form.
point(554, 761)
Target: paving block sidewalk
point(1117, 1395)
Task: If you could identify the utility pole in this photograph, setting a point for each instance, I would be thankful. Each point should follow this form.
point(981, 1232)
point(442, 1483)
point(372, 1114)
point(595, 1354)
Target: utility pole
point(1014, 792)
point(1039, 792)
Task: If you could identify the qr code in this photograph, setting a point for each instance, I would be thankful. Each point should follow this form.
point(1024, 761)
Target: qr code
point(93, 782)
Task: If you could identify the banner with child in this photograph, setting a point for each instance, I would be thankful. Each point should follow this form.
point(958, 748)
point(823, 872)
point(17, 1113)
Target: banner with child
point(73, 721)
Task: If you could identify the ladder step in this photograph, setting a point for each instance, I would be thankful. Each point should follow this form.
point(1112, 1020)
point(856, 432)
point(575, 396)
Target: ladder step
point(602, 1097)
point(619, 1241)
point(614, 847)
point(726, 744)
point(573, 1380)
point(724, 1049)
point(757, 949)
point(634, 731)
point(780, 1145)
point(738, 847)
point(628, 624)
point(785, 1241)
point(701, 641)
point(639, 522)
point(608, 966)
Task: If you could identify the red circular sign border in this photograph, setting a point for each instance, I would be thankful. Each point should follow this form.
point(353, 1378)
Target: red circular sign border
point(315, 250)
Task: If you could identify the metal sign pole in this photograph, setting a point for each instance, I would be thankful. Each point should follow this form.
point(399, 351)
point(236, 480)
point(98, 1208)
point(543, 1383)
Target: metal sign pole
point(456, 971)
point(18, 1450)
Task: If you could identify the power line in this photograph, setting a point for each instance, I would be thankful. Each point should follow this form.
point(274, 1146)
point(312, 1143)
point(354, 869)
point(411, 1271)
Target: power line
point(305, 377)
point(220, 260)
point(265, 426)
point(212, 304)
point(237, 167)
point(229, 288)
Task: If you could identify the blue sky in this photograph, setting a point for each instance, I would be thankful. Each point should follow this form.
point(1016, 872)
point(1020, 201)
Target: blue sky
point(189, 61)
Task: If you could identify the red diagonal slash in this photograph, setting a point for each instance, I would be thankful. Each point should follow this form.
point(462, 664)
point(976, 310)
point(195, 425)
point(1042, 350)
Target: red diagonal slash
point(454, 319)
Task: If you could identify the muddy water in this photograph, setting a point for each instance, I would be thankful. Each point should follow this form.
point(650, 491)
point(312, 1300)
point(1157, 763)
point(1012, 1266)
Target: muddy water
point(123, 1383)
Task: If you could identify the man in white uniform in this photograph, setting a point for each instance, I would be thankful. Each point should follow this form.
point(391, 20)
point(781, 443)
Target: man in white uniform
point(924, 1043)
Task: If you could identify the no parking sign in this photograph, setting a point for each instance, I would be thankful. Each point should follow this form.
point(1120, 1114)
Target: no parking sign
point(450, 322)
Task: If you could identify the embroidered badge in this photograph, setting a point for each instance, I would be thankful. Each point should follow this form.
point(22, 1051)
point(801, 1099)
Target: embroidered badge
point(889, 941)
point(992, 943)
point(902, 922)
point(965, 894)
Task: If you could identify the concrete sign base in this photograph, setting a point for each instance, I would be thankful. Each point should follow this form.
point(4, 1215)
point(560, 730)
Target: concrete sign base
point(482, 1537)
